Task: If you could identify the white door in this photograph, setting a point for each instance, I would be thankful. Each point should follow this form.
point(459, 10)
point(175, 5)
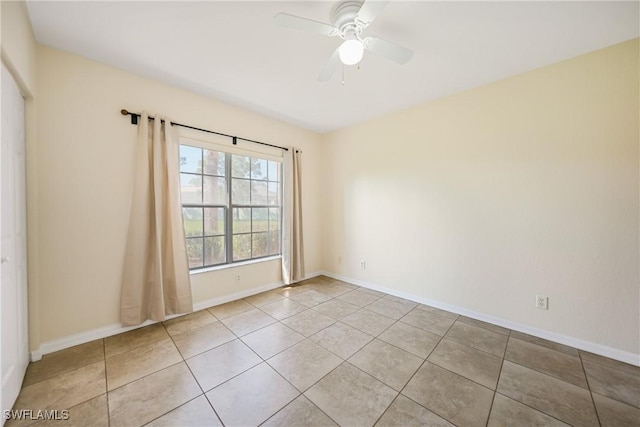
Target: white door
point(14, 350)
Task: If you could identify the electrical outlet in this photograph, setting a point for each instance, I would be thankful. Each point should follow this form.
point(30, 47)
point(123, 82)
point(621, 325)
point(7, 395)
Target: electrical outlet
point(542, 302)
point(238, 278)
point(363, 265)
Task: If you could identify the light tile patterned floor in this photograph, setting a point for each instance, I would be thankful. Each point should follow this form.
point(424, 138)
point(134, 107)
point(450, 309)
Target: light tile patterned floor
point(326, 353)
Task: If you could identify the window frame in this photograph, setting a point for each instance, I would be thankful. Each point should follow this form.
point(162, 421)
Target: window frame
point(229, 206)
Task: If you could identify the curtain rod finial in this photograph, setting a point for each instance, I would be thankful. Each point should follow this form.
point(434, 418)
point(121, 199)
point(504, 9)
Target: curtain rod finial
point(134, 117)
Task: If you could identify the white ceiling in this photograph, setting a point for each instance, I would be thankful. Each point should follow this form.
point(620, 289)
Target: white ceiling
point(232, 51)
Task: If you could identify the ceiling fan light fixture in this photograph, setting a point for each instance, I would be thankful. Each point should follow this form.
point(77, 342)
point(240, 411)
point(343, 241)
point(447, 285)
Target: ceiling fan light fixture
point(351, 52)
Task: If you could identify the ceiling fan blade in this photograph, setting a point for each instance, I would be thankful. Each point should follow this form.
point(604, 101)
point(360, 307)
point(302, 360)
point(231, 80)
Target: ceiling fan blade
point(330, 67)
point(304, 24)
point(369, 10)
point(388, 50)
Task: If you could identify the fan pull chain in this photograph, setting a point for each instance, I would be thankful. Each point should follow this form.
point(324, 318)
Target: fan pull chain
point(342, 74)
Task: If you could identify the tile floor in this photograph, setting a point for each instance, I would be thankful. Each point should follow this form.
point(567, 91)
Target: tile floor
point(328, 353)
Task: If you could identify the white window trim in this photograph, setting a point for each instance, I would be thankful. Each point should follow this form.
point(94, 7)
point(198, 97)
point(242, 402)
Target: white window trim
point(235, 264)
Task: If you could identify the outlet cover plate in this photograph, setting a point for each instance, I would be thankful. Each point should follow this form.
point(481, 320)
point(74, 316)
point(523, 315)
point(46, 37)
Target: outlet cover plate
point(542, 302)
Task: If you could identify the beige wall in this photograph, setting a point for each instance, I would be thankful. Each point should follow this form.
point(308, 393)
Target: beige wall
point(85, 159)
point(484, 199)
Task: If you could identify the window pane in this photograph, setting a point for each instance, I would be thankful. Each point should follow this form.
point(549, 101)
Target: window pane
point(274, 193)
point(194, 252)
point(274, 219)
point(214, 252)
point(274, 171)
point(240, 192)
point(213, 221)
point(215, 190)
point(190, 159)
point(241, 247)
point(239, 166)
point(259, 245)
point(190, 188)
point(260, 219)
point(192, 218)
point(274, 243)
point(241, 220)
point(213, 162)
point(254, 183)
point(258, 169)
point(258, 193)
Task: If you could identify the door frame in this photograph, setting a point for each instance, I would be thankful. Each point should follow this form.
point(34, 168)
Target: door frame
point(13, 377)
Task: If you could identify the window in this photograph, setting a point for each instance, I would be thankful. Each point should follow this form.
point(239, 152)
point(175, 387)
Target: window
point(231, 206)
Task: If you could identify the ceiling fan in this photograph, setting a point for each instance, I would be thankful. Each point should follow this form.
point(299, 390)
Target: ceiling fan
point(350, 18)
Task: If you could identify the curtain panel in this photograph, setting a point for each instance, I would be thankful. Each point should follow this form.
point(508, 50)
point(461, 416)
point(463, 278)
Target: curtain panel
point(155, 279)
point(292, 239)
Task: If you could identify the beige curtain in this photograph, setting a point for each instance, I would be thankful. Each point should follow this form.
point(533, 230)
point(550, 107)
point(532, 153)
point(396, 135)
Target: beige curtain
point(155, 280)
point(292, 243)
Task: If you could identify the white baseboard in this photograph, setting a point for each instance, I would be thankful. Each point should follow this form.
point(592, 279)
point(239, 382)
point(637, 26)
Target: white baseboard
point(243, 294)
point(234, 296)
point(83, 337)
point(117, 328)
point(602, 350)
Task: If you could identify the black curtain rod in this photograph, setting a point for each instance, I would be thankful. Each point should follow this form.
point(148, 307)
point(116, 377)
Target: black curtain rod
point(234, 139)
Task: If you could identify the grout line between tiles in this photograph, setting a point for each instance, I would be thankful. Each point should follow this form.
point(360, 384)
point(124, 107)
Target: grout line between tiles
point(475, 348)
point(292, 385)
point(588, 388)
point(287, 381)
point(194, 378)
point(275, 354)
point(79, 403)
point(206, 398)
point(344, 324)
point(593, 402)
point(426, 360)
point(73, 370)
point(410, 379)
point(609, 366)
point(462, 376)
point(550, 376)
point(390, 405)
point(177, 407)
point(204, 351)
point(231, 378)
point(147, 375)
point(106, 385)
point(309, 400)
point(381, 382)
point(530, 407)
point(493, 398)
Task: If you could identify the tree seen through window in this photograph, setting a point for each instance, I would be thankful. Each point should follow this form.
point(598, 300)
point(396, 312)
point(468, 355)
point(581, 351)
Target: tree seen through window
point(231, 206)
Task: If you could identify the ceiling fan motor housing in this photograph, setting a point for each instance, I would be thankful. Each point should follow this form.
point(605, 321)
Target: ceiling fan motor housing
point(344, 16)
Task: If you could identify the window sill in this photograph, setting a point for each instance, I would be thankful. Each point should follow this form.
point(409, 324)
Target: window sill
point(235, 264)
